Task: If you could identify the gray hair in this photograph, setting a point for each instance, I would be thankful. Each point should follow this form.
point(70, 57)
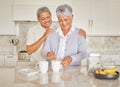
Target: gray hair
point(43, 9)
point(64, 10)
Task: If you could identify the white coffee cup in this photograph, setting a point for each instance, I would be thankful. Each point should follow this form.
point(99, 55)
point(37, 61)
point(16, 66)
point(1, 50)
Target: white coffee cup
point(56, 65)
point(42, 66)
point(43, 78)
point(56, 77)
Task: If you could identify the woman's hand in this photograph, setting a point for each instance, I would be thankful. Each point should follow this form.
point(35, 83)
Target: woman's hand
point(48, 32)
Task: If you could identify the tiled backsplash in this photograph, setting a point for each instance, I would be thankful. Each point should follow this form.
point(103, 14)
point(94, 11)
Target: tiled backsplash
point(103, 44)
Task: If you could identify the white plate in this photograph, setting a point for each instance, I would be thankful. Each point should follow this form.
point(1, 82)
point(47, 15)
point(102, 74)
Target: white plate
point(28, 72)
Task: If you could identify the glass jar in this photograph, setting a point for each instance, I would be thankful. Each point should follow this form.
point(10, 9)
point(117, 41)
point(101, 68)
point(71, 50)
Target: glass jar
point(93, 62)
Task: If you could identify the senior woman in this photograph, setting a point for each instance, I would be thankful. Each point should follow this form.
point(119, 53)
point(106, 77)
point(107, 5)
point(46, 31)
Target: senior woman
point(65, 43)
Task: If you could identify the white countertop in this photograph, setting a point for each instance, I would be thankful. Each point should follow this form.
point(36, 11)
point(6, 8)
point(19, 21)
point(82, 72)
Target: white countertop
point(68, 77)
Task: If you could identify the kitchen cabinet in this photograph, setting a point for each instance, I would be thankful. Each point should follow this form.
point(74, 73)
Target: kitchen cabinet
point(7, 26)
point(81, 13)
point(97, 17)
point(105, 17)
point(91, 15)
point(8, 60)
point(98, 21)
point(29, 8)
point(114, 17)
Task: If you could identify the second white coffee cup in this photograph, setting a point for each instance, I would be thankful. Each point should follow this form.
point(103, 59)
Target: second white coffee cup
point(56, 65)
point(42, 66)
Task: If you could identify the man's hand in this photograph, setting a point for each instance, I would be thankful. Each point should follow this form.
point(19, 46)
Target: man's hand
point(66, 61)
point(51, 56)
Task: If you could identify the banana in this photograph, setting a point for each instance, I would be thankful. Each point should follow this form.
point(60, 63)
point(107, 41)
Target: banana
point(102, 72)
point(97, 71)
point(110, 70)
point(107, 71)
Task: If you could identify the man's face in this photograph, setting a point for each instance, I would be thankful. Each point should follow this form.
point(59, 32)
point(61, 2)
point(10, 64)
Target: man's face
point(65, 22)
point(45, 19)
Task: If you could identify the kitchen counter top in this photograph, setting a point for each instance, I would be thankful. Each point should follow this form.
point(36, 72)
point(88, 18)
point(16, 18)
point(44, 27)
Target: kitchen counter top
point(67, 77)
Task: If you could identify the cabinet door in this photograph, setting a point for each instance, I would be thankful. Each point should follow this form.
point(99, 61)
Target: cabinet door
point(10, 60)
point(29, 8)
point(114, 17)
point(80, 13)
point(91, 15)
point(7, 26)
point(2, 60)
point(98, 22)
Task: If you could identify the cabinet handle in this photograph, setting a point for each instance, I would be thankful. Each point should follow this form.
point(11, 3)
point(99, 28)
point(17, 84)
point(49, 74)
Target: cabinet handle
point(9, 56)
point(91, 24)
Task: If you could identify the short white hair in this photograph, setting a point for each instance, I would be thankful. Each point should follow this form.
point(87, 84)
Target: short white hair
point(64, 10)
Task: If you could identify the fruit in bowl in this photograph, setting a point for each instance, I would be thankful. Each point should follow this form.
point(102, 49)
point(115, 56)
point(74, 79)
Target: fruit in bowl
point(107, 73)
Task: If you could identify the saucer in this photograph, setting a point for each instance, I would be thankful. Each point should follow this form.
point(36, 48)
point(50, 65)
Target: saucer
point(28, 72)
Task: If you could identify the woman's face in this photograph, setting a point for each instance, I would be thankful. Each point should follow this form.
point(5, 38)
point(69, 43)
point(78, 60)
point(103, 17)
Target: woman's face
point(65, 22)
point(45, 19)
